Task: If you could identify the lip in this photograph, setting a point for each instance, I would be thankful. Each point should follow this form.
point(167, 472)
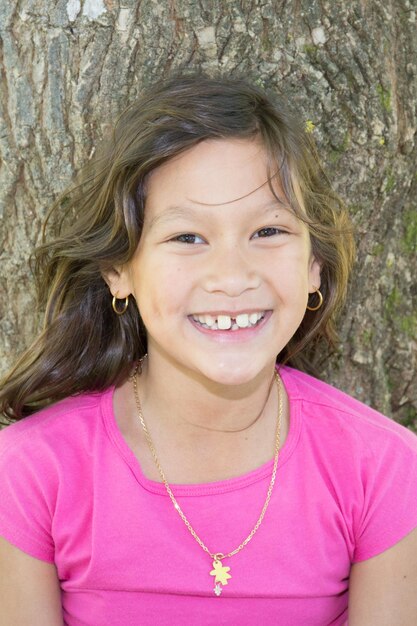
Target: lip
point(230, 313)
point(233, 336)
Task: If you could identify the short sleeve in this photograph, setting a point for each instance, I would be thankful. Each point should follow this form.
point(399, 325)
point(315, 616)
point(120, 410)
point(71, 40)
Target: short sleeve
point(27, 493)
point(389, 510)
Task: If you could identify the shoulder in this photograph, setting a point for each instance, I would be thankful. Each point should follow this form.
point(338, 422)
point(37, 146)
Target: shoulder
point(44, 467)
point(70, 421)
point(363, 459)
point(325, 408)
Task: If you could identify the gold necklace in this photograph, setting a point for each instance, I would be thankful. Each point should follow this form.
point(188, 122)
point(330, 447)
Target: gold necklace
point(219, 571)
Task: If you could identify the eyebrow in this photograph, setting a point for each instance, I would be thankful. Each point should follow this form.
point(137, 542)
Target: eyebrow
point(174, 212)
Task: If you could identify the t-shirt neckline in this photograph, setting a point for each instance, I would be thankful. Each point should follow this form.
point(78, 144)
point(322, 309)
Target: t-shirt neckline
point(222, 486)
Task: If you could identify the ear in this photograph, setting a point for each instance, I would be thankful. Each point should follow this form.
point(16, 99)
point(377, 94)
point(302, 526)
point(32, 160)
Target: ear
point(118, 281)
point(314, 274)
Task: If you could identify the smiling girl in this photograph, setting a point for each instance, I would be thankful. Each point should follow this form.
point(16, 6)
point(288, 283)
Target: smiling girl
point(174, 464)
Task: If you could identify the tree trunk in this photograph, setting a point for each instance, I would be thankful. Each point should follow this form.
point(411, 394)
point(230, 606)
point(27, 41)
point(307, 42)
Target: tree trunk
point(69, 67)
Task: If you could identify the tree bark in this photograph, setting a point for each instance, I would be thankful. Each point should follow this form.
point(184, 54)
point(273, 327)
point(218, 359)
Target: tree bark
point(69, 67)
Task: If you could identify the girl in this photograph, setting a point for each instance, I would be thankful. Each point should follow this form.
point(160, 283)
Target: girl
point(171, 466)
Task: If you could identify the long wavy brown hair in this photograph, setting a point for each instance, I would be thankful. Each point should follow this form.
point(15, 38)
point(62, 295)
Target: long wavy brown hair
point(97, 223)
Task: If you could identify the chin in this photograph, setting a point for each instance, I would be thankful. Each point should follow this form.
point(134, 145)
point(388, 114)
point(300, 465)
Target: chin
point(231, 374)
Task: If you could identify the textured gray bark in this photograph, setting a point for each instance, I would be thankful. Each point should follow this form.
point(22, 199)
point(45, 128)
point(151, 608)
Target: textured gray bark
point(350, 67)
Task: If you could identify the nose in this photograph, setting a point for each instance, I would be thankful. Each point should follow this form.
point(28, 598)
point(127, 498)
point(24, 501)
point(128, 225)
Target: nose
point(231, 271)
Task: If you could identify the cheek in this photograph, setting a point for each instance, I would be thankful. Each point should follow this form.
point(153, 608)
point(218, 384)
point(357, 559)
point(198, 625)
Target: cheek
point(160, 290)
point(292, 274)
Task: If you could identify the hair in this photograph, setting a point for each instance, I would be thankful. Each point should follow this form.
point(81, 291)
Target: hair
point(84, 345)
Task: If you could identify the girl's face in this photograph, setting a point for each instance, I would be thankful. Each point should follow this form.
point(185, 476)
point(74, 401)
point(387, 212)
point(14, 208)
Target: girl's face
point(223, 271)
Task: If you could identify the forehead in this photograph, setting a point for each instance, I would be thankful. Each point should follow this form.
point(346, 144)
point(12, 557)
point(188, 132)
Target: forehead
point(213, 173)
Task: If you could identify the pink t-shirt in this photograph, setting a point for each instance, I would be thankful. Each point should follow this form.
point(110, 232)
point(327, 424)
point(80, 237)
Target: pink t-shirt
point(73, 493)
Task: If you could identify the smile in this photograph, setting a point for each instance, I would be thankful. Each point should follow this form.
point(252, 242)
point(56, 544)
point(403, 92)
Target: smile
point(228, 322)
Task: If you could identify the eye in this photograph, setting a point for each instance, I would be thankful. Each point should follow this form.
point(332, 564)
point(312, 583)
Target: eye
point(269, 231)
point(189, 238)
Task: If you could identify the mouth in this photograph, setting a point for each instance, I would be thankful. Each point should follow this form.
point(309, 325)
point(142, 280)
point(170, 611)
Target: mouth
point(227, 322)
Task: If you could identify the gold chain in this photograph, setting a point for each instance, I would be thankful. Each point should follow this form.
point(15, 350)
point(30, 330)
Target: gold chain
point(218, 556)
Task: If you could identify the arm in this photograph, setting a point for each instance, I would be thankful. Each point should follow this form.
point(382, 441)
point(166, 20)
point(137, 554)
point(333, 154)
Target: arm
point(383, 589)
point(29, 591)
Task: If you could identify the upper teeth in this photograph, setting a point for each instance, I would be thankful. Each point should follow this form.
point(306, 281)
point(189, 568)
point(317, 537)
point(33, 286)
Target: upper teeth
point(224, 322)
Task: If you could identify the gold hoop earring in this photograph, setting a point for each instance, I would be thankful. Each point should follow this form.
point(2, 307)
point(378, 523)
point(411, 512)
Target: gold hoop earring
point(114, 305)
point(316, 308)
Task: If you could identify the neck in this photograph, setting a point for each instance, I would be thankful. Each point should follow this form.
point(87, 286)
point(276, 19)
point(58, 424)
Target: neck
point(188, 402)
